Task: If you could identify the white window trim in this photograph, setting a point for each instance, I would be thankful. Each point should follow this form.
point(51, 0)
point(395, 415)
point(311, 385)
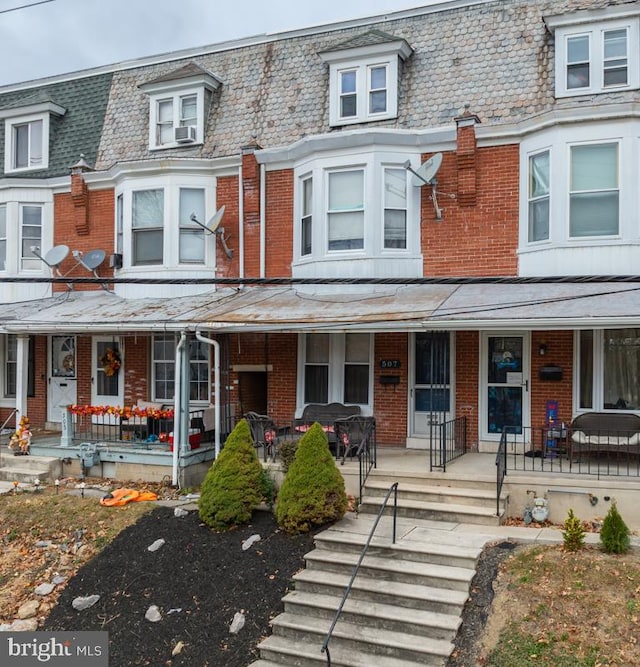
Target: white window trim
point(9, 127)
point(373, 163)
point(595, 31)
point(175, 96)
point(171, 185)
point(362, 67)
point(336, 372)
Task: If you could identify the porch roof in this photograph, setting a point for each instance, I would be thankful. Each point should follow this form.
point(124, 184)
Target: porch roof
point(393, 306)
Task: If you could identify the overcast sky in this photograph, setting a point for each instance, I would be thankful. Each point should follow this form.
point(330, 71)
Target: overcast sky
point(49, 37)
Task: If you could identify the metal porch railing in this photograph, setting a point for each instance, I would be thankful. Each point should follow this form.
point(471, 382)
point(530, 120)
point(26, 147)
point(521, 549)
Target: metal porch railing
point(392, 489)
point(451, 443)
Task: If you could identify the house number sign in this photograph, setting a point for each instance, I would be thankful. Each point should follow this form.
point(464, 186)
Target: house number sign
point(390, 363)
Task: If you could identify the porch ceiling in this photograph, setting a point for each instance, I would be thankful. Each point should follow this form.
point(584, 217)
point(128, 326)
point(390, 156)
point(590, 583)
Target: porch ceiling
point(330, 307)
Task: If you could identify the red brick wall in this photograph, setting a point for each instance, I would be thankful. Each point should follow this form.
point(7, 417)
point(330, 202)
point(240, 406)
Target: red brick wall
point(100, 236)
point(279, 220)
point(466, 379)
point(479, 240)
point(137, 365)
point(559, 353)
point(390, 401)
point(227, 195)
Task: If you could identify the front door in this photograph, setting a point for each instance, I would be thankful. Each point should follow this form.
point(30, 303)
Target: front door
point(63, 383)
point(432, 380)
point(505, 383)
point(107, 387)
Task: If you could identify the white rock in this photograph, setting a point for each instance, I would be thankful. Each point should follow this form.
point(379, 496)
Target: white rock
point(24, 625)
point(29, 609)
point(237, 624)
point(178, 511)
point(58, 579)
point(247, 544)
point(44, 589)
point(177, 649)
point(156, 545)
point(82, 603)
point(153, 614)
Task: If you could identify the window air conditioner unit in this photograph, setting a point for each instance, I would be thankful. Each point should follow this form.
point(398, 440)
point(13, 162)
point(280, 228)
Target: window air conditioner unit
point(185, 135)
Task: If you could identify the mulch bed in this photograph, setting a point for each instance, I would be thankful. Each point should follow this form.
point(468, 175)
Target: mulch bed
point(205, 576)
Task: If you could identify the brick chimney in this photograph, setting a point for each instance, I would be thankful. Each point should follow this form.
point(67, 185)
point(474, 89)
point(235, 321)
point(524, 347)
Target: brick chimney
point(466, 157)
point(251, 184)
point(80, 196)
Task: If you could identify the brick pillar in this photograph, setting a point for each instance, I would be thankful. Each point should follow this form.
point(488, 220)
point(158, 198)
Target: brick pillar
point(80, 197)
point(251, 184)
point(466, 156)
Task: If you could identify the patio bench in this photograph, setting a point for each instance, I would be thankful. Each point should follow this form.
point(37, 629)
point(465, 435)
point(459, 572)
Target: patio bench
point(598, 432)
point(326, 415)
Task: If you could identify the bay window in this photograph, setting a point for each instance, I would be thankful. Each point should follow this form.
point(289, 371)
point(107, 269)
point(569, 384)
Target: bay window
point(3, 238)
point(306, 220)
point(594, 196)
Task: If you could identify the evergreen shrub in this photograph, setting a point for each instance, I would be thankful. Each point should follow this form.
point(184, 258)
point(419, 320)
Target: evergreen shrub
point(312, 493)
point(234, 484)
point(615, 534)
point(573, 533)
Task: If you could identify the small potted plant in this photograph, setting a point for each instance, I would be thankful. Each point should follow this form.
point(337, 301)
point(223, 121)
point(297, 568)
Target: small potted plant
point(20, 441)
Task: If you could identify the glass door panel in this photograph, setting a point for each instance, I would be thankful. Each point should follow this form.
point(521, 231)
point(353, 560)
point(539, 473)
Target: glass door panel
point(505, 383)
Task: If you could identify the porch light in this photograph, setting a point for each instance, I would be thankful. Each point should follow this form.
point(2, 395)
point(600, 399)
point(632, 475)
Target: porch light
point(542, 349)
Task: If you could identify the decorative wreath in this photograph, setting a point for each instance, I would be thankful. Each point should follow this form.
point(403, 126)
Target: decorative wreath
point(110, 362)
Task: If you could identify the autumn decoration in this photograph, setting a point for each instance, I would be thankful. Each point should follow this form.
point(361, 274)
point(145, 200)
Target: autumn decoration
point(110, 362)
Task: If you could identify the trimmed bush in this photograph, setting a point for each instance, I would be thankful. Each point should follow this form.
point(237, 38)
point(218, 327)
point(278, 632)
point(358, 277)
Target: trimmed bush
point(615, 534)
point(312, 493)
point(573, 533)
point(287, 453)
point(234, 484)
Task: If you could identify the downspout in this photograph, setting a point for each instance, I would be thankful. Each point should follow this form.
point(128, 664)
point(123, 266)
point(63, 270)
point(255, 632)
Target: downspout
point(177, 412)
point(240, 222)
point(216, 387)
point(263, 221)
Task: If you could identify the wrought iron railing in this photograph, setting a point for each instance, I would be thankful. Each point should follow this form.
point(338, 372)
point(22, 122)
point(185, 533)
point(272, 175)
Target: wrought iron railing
point(392, 489)
point(451, 442)
point(501, 468)
point(561, 449)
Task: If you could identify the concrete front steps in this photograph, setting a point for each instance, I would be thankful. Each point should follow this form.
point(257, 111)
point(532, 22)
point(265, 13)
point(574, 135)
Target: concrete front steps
point(435, 498)
point(404, 609)
point(25, 469)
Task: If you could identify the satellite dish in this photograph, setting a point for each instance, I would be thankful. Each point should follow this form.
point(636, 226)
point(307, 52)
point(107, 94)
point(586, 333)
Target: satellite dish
point(56, 255)
point(213, 224)
point(92, 260)
point(427, 172)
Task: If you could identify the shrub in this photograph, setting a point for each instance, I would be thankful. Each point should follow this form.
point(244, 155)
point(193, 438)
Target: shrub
point(312, 493)
point(234, 484)
point(573, 533)
point(287, 452)
point(615, 534)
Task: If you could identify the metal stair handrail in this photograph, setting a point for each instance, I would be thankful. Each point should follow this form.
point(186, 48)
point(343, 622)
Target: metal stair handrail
point(392, 489)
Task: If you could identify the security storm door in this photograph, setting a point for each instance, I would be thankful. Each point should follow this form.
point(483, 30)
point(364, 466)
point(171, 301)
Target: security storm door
point(63, 383)
point(505, 362)
point(432, 382)
point(107, 387)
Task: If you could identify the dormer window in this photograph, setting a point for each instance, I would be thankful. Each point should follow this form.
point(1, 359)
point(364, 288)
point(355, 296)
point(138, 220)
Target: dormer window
point(26, 131)
point(363, 78)
point(177, 106)
point(596, 52)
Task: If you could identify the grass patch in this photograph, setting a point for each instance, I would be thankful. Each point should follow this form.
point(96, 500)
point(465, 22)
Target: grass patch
point(77, 529)
point(557, 608)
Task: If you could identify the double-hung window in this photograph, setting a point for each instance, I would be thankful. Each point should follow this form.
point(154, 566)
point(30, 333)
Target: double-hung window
point(539, 172)
point(377, 89)
point(306, 218)
point(395, 208)
point(594, 191)
point(27, 145)
point(191, 234)
point(597, 56)
point(609, 369)
point(31, 235)
point(147, 227)
point(346, 210)
point(179, 111)
point(336, 368)
point(163, 366)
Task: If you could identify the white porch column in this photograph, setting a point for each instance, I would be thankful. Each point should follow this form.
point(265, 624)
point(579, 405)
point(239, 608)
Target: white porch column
point(22, 374)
